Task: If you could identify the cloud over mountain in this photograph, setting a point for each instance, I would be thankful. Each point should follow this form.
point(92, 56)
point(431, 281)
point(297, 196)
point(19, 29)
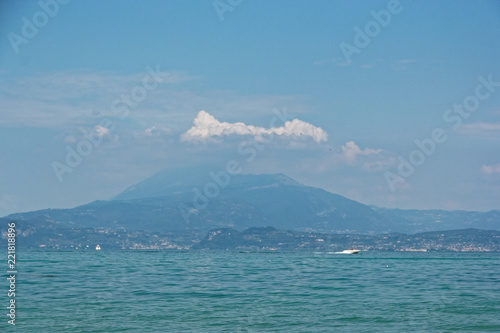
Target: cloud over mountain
point(350, 150)
point(205, 126)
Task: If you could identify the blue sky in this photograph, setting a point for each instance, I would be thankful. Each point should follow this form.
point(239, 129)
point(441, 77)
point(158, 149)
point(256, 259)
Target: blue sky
point(72, 75)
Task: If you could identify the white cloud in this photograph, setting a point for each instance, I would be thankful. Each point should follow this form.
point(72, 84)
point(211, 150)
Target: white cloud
point(403, 64)
point(406, 61)
point(156, 131)
point(206, 126)
point(152, 131)
point(486, 130)
point(101, 131)
point(490, 169)
point(351, 150)
point(383, 163)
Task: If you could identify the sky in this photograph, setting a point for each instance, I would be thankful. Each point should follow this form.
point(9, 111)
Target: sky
point(389, 103)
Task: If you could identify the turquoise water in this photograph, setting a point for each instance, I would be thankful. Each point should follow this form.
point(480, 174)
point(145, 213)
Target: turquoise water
point(138, 291)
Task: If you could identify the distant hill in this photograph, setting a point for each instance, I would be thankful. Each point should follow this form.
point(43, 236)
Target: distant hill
point(50, 235)
point(270, 239)
point(430, 220)
point(42, 233)
point(203, 198)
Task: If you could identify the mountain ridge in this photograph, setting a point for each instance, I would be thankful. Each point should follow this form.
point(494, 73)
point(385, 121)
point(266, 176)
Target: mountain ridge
point(248, 200)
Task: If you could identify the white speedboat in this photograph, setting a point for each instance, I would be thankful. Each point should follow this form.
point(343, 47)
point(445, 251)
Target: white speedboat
point(351, 251)
point(98, 247)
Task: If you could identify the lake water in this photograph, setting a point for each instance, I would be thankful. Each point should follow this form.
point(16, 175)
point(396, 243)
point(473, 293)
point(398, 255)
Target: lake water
point(142, 291)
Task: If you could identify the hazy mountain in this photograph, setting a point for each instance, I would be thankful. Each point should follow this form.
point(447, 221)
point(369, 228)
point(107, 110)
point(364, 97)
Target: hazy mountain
point(202, 198)
point(168, 181)
point(430, 220)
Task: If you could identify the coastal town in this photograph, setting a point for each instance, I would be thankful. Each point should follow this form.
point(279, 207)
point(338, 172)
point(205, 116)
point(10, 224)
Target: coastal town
point(48, 236)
